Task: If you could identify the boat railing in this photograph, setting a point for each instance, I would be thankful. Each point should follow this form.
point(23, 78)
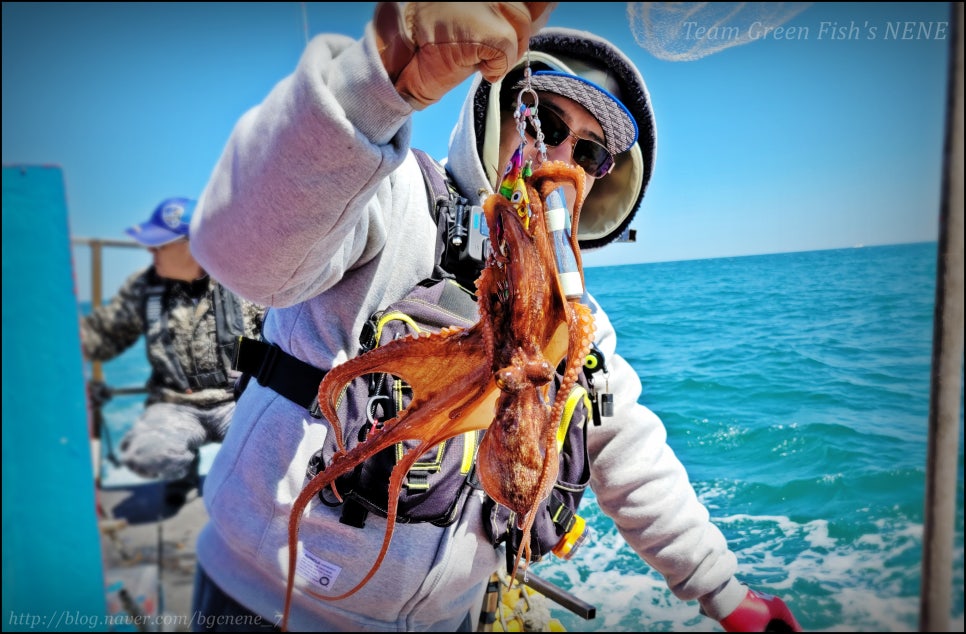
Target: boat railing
point(99, 391)
point(97, 288)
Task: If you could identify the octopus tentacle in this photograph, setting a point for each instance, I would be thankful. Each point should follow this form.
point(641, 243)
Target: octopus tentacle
point(317, 484)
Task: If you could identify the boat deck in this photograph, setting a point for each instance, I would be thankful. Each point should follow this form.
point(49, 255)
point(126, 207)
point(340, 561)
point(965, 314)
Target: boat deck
point(149, 555)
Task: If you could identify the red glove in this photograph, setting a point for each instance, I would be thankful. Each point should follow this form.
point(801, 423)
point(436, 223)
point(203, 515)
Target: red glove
point(760, 612)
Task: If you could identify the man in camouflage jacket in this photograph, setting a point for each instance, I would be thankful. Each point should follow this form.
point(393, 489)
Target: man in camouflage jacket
point(190, 323)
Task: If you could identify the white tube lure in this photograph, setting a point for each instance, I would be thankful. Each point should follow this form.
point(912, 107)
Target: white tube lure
point(558, 225)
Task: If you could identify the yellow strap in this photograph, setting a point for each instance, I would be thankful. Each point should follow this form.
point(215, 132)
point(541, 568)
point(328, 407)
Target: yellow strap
point(576, 394)
point(469, 451)
point(394, 315)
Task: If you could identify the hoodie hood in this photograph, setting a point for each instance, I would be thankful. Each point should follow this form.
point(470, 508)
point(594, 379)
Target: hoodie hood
point(614, 199)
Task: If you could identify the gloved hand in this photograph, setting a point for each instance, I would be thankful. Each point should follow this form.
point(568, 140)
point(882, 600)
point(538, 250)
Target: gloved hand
point(429, 48)
point(760, 612)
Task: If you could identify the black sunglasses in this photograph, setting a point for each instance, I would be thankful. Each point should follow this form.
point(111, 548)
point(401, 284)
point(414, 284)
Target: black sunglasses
point(590, 155)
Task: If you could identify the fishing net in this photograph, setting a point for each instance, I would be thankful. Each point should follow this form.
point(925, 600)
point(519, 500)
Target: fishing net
point(687, 31)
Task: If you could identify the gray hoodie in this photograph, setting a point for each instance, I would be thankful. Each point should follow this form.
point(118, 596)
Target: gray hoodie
point(318, 209)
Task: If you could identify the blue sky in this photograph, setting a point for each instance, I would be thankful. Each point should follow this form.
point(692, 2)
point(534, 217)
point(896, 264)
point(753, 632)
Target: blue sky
point(827, 134)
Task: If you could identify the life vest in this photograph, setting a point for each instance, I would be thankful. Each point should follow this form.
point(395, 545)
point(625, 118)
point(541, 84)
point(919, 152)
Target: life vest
point(436, 487)
point(167, 369)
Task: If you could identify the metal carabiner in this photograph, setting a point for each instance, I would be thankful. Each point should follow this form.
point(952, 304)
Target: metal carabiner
point(369, 407)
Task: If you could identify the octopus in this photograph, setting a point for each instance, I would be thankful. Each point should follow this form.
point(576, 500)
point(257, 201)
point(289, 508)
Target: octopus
point(496, 373)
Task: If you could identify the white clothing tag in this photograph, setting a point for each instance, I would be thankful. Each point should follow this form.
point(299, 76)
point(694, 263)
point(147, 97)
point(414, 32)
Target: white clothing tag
point(317, 570)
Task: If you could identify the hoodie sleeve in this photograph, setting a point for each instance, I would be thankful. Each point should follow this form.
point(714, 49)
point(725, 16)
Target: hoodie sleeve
point(302, 190)
point(640, 483)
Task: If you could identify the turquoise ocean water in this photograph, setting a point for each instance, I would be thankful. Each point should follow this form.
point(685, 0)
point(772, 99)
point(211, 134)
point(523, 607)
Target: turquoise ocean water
point(795, 389)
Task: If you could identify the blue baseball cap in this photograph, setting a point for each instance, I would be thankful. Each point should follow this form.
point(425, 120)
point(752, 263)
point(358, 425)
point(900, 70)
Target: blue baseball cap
point(169, 222)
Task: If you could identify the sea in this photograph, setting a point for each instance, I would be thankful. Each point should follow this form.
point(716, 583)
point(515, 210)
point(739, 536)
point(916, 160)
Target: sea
point(795, 389)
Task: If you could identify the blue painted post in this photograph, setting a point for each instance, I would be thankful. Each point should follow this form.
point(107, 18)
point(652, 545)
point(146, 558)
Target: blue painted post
point(53, 570)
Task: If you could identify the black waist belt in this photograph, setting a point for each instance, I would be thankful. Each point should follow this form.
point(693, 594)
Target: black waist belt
point(293, 378)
